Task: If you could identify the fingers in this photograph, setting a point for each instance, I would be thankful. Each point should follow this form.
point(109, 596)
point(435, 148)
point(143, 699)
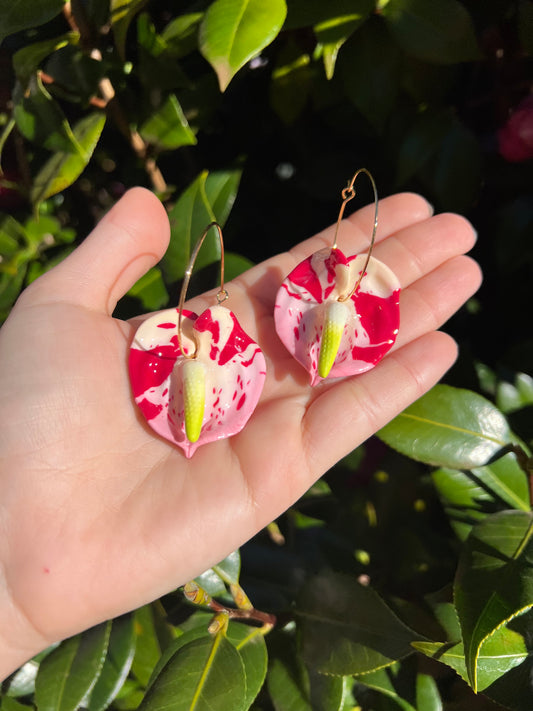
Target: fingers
point(129, 239)
point(428, 303)
point(395, 213)
point(415, 251)
point(345, 415)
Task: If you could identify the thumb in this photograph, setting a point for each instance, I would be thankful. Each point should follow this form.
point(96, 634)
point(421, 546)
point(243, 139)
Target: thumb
point(130, 238)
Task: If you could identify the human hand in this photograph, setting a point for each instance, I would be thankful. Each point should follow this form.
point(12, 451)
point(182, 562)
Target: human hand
point(99, 515)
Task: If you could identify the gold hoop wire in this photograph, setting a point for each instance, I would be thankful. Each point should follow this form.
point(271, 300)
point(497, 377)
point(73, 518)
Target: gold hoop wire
point(222, 294)
point(348, 193)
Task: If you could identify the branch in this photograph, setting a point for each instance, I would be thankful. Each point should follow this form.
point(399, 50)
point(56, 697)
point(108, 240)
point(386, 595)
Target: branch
point(74, 14)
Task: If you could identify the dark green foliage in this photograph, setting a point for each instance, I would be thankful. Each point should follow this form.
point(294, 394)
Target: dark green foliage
point(402, 580)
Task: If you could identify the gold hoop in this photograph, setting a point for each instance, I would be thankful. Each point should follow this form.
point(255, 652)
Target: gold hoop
point(348, 193)
point(222, 294)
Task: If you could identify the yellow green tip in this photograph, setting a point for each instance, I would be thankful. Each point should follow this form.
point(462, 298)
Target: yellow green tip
point(194, 398)
point(335, 317)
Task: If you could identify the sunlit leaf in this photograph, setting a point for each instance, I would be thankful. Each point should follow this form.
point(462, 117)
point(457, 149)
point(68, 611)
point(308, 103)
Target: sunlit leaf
point(449, 427)
point(498, 654)
point(153, 636)
point(167, 127)
point(28, 59)
point(116, 666)
point(234, 31)
point(69, 673)
point(250, 643)
point(40, 119)
point(122, 13)
point(511, 397)
point(150, 290)
point(494, 580)
point(206, 674)
point(382, 681)
point(209, 197)
point(333, 32)
point(229, 569)
point(427, 693)
point(62, 169)
point(181, 33)
point(468, 496)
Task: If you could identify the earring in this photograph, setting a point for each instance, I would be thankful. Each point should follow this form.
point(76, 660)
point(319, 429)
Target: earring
point(196, 379)
point(338, 315)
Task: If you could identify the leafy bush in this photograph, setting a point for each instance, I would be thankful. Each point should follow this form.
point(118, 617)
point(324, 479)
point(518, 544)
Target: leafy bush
point(403, 578)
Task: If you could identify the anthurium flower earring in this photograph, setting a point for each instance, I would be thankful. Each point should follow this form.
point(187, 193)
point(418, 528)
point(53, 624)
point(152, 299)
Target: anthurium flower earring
point(339, 315)
point(196, 379)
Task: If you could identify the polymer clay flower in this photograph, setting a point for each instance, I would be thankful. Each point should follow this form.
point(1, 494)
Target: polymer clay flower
point(200, 394)
point(331, 331)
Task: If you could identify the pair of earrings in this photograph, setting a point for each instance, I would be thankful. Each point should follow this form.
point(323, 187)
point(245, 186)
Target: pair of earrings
point(197, 379)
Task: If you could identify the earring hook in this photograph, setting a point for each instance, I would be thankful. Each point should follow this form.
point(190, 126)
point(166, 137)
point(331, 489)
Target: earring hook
point(222, 294)
point(348, 193)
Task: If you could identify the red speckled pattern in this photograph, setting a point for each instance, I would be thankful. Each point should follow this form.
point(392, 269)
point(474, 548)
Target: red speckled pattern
point(235, 373)
point(374, 311)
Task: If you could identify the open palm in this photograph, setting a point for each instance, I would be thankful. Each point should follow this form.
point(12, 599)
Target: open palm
point(99, 515)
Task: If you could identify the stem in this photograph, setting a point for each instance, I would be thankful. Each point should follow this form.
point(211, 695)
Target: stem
point(74, 14)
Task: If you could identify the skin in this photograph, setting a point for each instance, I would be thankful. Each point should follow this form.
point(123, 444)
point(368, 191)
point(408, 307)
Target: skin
point(98, 514)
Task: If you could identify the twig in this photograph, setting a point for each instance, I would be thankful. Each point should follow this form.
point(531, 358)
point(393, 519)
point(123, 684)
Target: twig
point(74, 14)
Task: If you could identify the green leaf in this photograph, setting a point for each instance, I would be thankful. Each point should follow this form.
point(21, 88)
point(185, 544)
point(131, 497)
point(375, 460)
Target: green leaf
point(333, 32)
point(40, 119)
point(221, 189)
point(150, 290)
point(209, 197)
point(122, 13)
point(421, 141)
point(181, 33)
point(62, 169)
point(234, 31)
point(229, 569)
point(367, 63)
point(454, 174)
point(494, 581)
point(150, 641)
point(468, 496)
point(21, 15)
point(348, 629)
point(69, 673)
point(167, 128)
point(198, 632)
point(292, 82)
point(117, 664)
point(206, 674)
point(511, 397)
point(7, 703)
point(250, 643)
point(427, 693)
point(235, 265)
point(27, 60)
point(188, 219)
point(439, 31)
point(293, 687)
point(449, 427)
point(498, 654)
point(383, 682)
